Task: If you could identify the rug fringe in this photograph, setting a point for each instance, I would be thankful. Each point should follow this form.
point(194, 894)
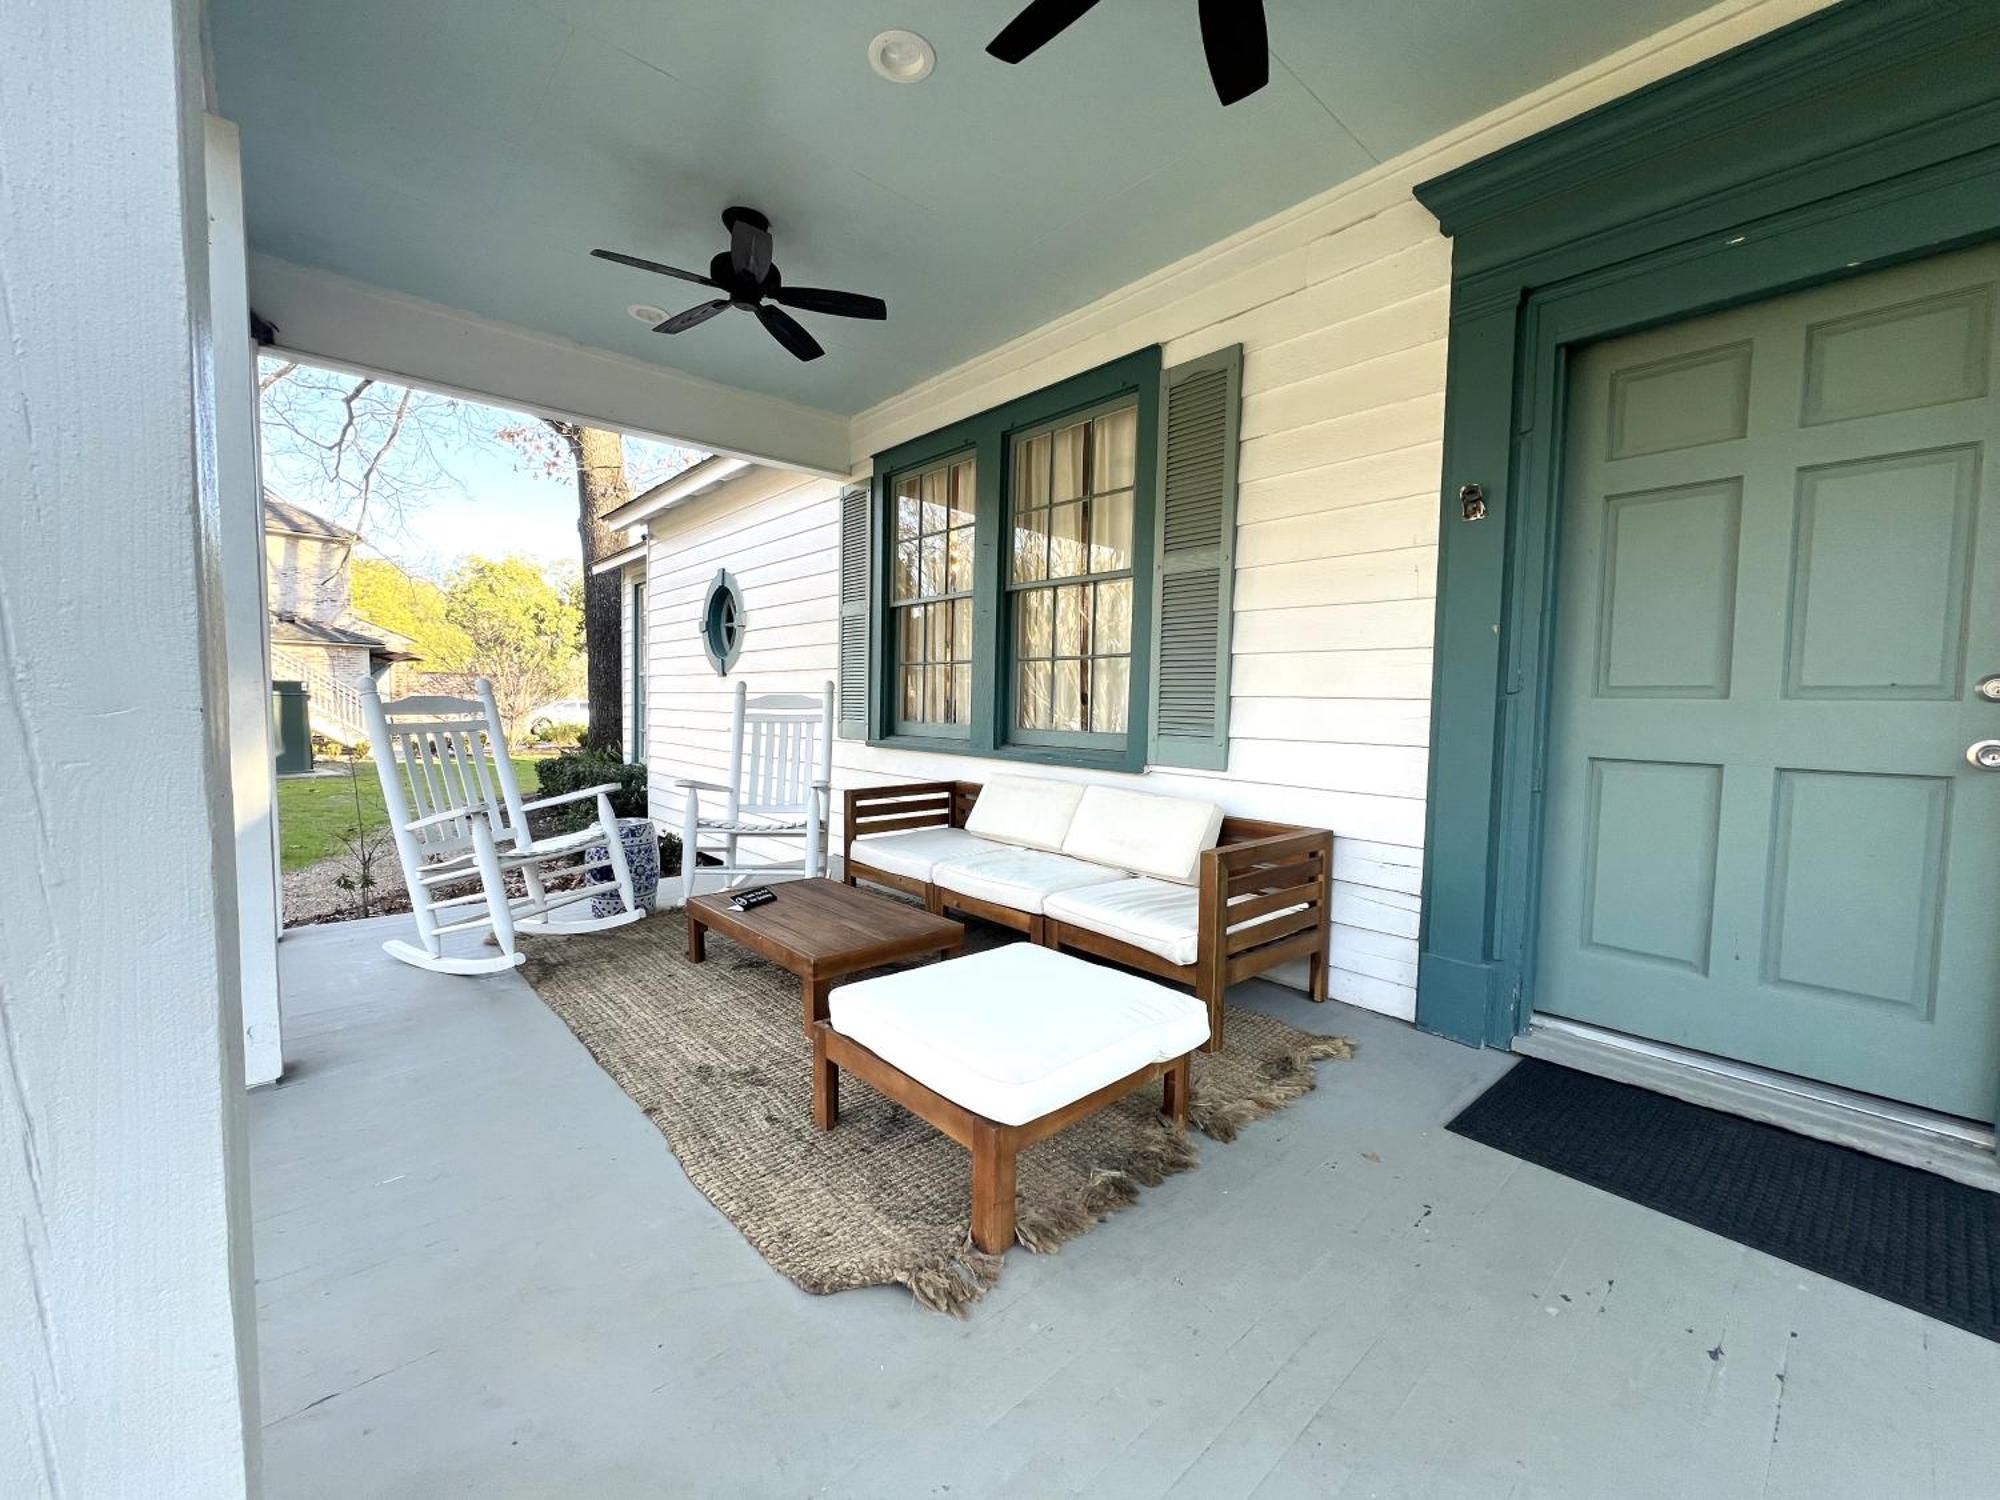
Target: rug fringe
point(954, 1282)
point(1290, 1077)
point(1046, 1228)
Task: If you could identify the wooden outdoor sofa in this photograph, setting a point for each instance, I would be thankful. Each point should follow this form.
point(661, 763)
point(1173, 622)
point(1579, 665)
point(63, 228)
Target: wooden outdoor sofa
point(1261, 895)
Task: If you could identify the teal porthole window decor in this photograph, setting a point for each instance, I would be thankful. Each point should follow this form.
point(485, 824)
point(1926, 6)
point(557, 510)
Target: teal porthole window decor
point(722, 622)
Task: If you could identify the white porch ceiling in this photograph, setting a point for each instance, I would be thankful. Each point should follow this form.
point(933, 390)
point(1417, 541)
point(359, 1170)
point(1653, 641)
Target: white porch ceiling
point(471, 152)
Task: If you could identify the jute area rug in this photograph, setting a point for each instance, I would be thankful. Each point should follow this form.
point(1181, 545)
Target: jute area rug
point(715, 1055)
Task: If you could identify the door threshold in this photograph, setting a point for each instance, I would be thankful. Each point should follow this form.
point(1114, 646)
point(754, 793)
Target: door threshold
point(1962, 1150)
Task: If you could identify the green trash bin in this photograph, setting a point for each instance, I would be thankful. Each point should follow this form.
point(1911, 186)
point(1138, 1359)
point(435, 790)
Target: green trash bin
point(294, 728)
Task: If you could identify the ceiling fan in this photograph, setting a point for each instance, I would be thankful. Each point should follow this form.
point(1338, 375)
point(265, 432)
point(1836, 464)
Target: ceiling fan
point(747, 278)
point(1232, 33)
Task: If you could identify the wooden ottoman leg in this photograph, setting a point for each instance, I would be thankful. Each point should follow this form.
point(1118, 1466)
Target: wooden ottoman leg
point(1174, 1091)
point(992, 1188)
point(697, 939)
point(826, 1083)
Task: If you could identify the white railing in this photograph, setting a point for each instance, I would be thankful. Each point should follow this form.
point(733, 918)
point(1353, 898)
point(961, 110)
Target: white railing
point(334, 705)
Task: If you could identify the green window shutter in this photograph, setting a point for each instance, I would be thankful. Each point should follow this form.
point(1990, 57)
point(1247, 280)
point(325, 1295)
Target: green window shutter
point(854, 570)
point(1195, 560)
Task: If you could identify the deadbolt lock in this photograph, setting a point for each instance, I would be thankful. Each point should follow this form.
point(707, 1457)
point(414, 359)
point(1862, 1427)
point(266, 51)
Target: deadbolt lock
point(1989, 688)
point(1984, 754)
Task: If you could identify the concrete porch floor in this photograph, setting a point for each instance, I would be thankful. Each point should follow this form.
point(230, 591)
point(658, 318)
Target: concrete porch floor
point(481, 1271)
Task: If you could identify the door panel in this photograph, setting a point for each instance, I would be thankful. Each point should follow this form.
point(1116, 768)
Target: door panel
point(1779, 582)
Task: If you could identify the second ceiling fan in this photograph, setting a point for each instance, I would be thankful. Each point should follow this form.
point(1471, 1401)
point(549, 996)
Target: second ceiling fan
point(748, 279)
point(1232, 33)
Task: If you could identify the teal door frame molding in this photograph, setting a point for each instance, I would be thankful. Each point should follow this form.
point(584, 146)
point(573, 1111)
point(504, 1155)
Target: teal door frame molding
point(1862, 136)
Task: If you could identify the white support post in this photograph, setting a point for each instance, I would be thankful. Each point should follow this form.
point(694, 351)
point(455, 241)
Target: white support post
point(127, 1308)
point(252, 766)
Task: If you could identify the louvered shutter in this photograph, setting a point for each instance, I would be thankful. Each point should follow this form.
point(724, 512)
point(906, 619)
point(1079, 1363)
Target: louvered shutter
point(854, 568)
point(1195, 561)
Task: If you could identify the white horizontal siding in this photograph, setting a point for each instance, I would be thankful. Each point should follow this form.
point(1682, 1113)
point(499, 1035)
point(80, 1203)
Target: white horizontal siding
point(1341, 306)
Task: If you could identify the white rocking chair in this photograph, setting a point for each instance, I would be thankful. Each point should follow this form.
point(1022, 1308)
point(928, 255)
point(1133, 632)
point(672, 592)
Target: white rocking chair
point(780, 779)
point(469, 823)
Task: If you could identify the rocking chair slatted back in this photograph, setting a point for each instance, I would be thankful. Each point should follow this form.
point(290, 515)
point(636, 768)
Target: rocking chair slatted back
point(780, 744)
point(453, 756)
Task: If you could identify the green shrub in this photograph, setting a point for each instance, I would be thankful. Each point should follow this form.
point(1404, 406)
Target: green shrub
point(574, 770)
point(565, 733)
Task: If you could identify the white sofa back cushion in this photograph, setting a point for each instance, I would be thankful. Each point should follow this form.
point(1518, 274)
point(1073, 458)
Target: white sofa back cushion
point(1148, 835)
point(1025, 810)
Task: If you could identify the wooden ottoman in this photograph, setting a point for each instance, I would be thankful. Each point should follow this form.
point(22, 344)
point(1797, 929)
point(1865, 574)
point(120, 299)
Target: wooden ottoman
point(1002, 1049)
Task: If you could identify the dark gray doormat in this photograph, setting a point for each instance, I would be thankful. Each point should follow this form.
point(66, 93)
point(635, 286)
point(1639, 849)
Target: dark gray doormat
point(1901, 1234)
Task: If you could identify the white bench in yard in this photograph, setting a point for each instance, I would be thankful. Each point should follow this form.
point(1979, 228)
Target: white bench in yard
point(1004, 1048)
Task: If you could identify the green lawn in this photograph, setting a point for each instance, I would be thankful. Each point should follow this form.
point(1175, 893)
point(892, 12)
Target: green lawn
point(314, 813)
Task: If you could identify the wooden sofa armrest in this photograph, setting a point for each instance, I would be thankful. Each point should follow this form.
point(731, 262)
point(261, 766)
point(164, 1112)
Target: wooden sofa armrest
point(1242, 882)
point(894, 809)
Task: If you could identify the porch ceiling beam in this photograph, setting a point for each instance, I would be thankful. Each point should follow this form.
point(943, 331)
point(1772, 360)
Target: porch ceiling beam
point(338, 321)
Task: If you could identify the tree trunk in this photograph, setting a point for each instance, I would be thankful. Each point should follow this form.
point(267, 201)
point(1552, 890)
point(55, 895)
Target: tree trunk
point(601, 486)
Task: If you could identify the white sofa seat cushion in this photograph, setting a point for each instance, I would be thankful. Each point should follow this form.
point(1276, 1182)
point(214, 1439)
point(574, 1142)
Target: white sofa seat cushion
point(1025, 810)
point(1143, 833)
point(1017, 1032)
point(915, 852)
point(1156, 915)
point(1020, 878)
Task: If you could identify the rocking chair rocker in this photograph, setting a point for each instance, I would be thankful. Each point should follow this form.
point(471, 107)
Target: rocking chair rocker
point(469, 823)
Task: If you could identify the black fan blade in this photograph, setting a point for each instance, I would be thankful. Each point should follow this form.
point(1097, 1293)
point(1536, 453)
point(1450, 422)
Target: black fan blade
point(652, 265)
point(789, 331)
point(841, 304)
point(1036, 26)
point(681, 322)
point(1238, 47)
point(749, 250)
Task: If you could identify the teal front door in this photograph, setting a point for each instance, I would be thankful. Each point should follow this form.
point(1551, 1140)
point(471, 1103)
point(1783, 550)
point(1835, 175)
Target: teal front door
point(1778, 595)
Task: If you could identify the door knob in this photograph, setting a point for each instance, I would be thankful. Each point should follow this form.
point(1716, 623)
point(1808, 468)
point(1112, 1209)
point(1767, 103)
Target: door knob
point(1989, 688)
point(1984, 754)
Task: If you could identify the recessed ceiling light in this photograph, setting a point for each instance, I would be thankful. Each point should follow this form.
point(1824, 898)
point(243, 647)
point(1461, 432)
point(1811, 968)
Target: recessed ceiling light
point(646, 313)
point(902, 57)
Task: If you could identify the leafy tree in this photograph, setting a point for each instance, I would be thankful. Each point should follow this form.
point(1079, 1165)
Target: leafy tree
point(524, 630)
point(415, 607)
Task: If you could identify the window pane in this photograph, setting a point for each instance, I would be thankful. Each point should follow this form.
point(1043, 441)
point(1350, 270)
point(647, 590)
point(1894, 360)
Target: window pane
point(1067, 481)
point(913, 693)
point(1032, 709)
point(1116, 442)
point(958, 560)
point(962, 493)
point(1110, 683)
point(931, 580)
point(936, 483)
point(937, 682)
point(961, 630)
point(1037, 631)
point(1031, 547)
point(1072, 619)
point(1031, 473)
point(1066, 559)
point(1111, 533)
point(961, 695)
point(1066, 708)
point(1111, 620)
point(907, 511)
point(906, 570)
point(912, 632)
point(938, 633)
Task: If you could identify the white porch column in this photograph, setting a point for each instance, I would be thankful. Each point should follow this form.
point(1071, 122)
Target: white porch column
point(240, 486)
point(126, 1321)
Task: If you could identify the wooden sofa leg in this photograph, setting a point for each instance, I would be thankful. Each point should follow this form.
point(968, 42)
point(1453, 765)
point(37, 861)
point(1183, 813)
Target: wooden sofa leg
point(1210, 991)
point(992, 1188)
point(933, 900)
point(1316, 968)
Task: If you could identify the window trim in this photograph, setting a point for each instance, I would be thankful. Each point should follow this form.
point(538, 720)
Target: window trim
point(637, 594)
point(988, 437)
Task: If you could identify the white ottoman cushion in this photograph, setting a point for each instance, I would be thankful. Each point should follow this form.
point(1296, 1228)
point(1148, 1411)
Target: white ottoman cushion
point(1016, 1033)
point(1025, 810)
point(1020, 878)
point(1143, 833)
point(1157, 915)
point(915, 852)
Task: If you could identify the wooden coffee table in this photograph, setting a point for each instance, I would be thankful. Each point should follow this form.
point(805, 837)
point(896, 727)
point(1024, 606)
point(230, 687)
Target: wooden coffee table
point(821, 931)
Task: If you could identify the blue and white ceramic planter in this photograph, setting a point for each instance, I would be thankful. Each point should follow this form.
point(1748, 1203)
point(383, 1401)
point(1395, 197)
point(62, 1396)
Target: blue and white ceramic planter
point(642, 858)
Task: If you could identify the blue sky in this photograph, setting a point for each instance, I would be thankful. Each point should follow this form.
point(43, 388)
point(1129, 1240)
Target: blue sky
point(479, 496)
